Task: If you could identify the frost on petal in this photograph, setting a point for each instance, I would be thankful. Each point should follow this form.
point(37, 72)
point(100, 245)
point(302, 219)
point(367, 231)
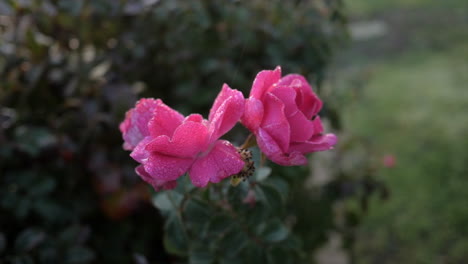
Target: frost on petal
point(124, 127)
point(306, 100)
point(221, 162)
point(166, 168)
point(197, 118)
point(316, 143)
point(267, 144)
point(264, 81)
point(225, 93)
point(253, 114)
point(135, 126)
point(271, 149)
point(201, 171)
point(157, 184)
point(164, 121)
point(228, 111)
point(275, 122)
point(140, 153)
point(188, 140)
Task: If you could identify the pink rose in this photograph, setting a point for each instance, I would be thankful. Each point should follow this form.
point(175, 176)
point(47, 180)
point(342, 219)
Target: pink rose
point(283, 115)
point(168, 145)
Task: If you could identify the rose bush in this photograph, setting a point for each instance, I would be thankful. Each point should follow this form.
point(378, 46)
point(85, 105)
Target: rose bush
point(72, 69)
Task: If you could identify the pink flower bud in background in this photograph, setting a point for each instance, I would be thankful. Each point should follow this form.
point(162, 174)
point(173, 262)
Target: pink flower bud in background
point(389, 161)
point(250, 198)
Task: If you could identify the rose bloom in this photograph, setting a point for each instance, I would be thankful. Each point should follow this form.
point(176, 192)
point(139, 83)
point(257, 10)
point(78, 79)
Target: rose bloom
point(168, 145)
point(283, 115)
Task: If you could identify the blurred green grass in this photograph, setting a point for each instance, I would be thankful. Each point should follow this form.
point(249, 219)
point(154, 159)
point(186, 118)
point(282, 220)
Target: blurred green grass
point(413, 104)
point(369, 7)
point(415, 108)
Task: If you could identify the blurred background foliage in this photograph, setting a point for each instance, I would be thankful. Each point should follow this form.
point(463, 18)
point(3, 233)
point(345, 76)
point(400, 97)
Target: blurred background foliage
point(70, 69)
point(402, 87)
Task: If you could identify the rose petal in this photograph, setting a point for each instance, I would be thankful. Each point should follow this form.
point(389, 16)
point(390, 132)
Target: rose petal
point(228, 159)
point(306, 100)
point(166, 168)
point(271, 149)
point(275, 122)
point(264, 81)
point(188, 140)
point(318, 126)
point(197, 118)
point(227, 110)
point(157, 184)
point(165, 120)
point(222, 161)
point(267, 144)
point(135, 126)
point(317, 143)
point(140, 153)
point(253, 114)
point(225, 93)
point(288, 96)
point(301, 128)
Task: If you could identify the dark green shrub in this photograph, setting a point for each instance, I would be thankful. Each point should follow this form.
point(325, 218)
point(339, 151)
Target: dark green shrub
point(69, 70)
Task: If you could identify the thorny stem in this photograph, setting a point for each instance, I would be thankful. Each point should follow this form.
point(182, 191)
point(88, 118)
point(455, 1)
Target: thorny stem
point(180, 209)
point(262, 159)
point(244, 227)
point(179, 216)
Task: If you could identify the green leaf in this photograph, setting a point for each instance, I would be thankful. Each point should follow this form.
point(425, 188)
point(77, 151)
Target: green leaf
point(184, 185)
point(292, 242)
point(70, 234)
point(236, 196)
point(200, 254)
point(22, 208)
point(198, 212)
point(269, 195)
point(233, 242)
point(256, 155)
point(219, 224)
point(29, 239)
point(24, 259)
point(258, 214)
point(33, 139)
point(167, 201)
point(255, 254)
point(280, 185)
point(175, 239)
point(79, 255)
point(42, 188)
point(278, 255)
point(273, 231)
point(48, 255)
point(262, 173)
point(48, 209)
point(229, 261)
